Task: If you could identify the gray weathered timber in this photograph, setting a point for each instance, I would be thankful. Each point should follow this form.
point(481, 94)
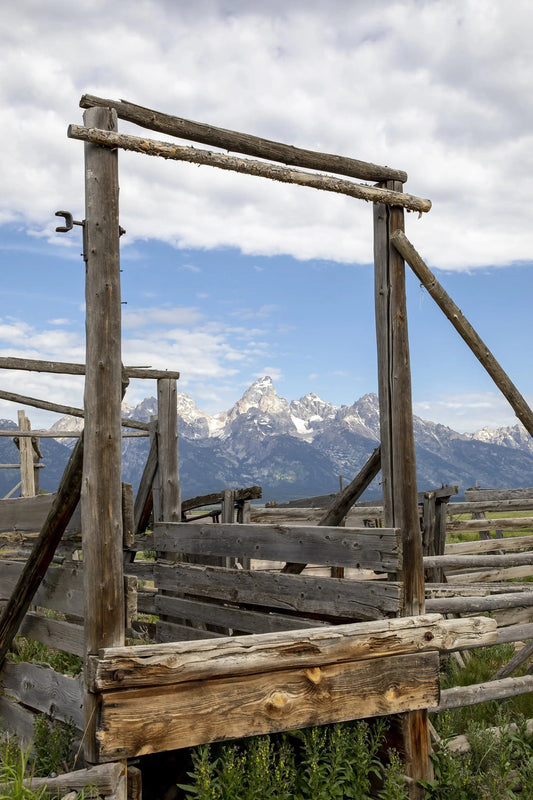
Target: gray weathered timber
point(167, 450)
point(513, 504)
point(378, 549)
point(168, 631)
point(143, 570)
point(164, 664)
point(144, 501)
point(54, 633)
point(27, 480)
point(506, 495)
point(28, 514)
point(43, 689)
point(490, 575)
point(243, 142)
point(502, 523)
point(104, 778)
point(58, 408)
point(515, 633)
point(516, 662)
point(250, 493)
point(398, 464)
point(102, 487)
point(61, 589)
point(486, 545)
point(34, 570)
point(461, 696)
point(139, 721)
point(18, 720)
point(238, 619)
point(477, 605)
point(465, 330)
point(330, 597)
point(327, 183)
point(458, 561)
point(66, 368)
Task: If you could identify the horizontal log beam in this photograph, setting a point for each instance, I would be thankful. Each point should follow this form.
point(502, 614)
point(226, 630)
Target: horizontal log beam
point(477, 605)
point(248, 167)
point(58, 408)
point(250, 493)
point(104, 778)
point(66, 368)
point(461, 696)
point(456, 562)
point(163, 664)
point(62, 434)
point(243, 142)
point(515, 504)
point(464, 329)
point(486, 545)
point(502, 524)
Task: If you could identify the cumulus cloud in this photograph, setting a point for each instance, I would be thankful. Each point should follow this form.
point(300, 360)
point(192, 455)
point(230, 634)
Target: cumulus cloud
point(439, 89)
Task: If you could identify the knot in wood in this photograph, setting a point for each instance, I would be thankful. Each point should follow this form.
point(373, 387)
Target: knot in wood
point(428, 636)
point(314, 674)
point(119, 675)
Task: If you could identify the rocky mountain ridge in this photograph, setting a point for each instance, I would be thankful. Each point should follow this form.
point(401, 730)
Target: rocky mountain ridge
point(299, 448)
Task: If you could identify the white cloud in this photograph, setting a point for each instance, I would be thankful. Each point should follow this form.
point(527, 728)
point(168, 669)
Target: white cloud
point(441, 89)
point(467, 412)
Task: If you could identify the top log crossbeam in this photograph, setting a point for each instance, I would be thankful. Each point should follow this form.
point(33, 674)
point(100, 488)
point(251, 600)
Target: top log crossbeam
point(248, 166)
point(65, 368)
point(244, 143)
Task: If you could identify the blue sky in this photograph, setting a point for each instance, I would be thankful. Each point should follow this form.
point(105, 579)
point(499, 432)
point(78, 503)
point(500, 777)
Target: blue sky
point(226, 277)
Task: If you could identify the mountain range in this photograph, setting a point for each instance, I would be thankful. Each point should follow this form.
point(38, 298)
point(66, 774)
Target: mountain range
point(298, 448)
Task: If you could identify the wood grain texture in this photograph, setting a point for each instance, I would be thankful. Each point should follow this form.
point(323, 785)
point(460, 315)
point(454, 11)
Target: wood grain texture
point(27, 514)
point(43, 689)
point(61, 589)
point(331, 597)
point(377, 549)
point(261, 169)
point(139, 721)
point(243, 142)
point(165, 664)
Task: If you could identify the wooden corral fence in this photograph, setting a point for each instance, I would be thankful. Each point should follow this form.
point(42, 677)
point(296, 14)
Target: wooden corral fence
point(382, 654)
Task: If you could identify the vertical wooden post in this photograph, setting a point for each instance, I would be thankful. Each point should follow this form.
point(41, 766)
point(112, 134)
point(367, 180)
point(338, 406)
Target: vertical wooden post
point(398, 466)
point(167, 451)
point(27, 478)
point(101, 495)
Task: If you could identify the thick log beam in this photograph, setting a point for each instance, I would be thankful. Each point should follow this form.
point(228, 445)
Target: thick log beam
point(66, 368)
point(243, 142)
point(464, 329)
point(58, 408)
point(260, 169)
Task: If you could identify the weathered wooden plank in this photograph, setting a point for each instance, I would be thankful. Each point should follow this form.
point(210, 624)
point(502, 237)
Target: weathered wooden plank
point(330, 596)
point(27, 514)
point(55, 633)
point(490, 575)
point(144, 500)
point(506, 560)
point(250, 493)
point(140, 721)
point(502, 523)
point(67, 368)
point(484, 495)
point(262, 169)
point(26, 458)
point(517, 504)
point(164, 664)
point(475, 605)
point(461, 696)
point(17, 719)
point(146, 601)
point(486, 545)
point(60, 590)
point(378, 549)
point(515, 633)
point(167, 631)
point(103, 778)
point(45, 690)
point(239, 619)
point(243, 142)
point(144, 570)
